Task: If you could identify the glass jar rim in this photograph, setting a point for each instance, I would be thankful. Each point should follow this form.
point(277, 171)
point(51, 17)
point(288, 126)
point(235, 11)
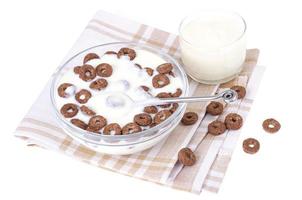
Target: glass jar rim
point(197, 14)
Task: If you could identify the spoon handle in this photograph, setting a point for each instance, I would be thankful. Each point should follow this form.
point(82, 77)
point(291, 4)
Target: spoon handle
point(228, 96)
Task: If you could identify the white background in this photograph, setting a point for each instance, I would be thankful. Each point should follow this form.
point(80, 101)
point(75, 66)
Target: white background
point(35, 36)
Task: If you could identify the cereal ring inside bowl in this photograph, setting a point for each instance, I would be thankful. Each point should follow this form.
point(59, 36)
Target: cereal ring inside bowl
point(79, 123)
point(163, 95)
point(87, 73)
point(110, 53)
point(90, 56)
point(77, 69)
point(233, 121)
point(98, 84)
point(97, 122)
point(83, 96)
point(162, 116)
point(215, 108)
point(216, 128)
point(150, 109)
point(104, 70)
point(112, 129)
point(127, 51)
point(189, 118)
point(62, 90)
point(174, 107)
point(241, 92)
point(177, 93)
point(87, 111)
point(131, 128)
point(69, 110)
point(160, 80)
point(149, 71)
point(143, 119)
point(164, 68)
point(271, 125)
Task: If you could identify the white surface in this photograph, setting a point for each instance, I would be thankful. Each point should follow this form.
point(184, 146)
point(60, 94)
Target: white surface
point(35, 35)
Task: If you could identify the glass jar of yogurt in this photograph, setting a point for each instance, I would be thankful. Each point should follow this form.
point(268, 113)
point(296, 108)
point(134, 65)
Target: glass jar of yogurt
point(213, 45)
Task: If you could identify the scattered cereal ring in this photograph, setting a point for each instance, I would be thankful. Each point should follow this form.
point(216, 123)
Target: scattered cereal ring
point(216, 128)
point(164, 68)
point(160, 80)
point(87, 73)
point(131, 128)
point(251, 146)
point(161, 116)
point(240, 91)
point(79, 123)
point(127, 51)
point(98, 84)
point(83, 96)
point(233, 121)
point(189, 118)
point(149, 71)
point(186, 157)
point(90, 56)
point(271, 125)
point(215, 108)
point(143, 119)
point(150, 109)
point(69, 110)
point(87, 111)
point(62, 90)
point(97, 122)
point(104, 70)
point(112, 129)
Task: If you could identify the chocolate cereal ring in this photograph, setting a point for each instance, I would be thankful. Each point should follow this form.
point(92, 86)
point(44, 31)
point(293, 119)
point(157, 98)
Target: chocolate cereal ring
point(161, 116)
point(83, 96)
point(271, 125)
point(233, 121)
point(69, 110)
point(112, 129)
point(79, 123)
point(215, 108)
point(62, 88)
point(77, 69)
point(131, 128)
point(127, 51)
point(240, 91)
point(150, 109)
point(96, 123)
point(145, 88)
point(251, 146)
point(186, 157)
point(164, 68)
point(149, 71)
point(138, 66)
point(174, 107)
point(216, 127)
point(143, 119)
point(189, 118)
point(87, 111)
point(177, 93)
point(163, 95)
point(104, 70)
point(98, 84)
point(87, 73)
point(110, 53)
point(160, 80)
point(90, 56)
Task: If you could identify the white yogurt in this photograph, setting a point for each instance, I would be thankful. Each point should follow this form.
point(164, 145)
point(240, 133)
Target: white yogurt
point(126, 79)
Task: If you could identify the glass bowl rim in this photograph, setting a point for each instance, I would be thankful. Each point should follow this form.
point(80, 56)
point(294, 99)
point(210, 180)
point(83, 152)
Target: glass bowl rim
point(119, 137)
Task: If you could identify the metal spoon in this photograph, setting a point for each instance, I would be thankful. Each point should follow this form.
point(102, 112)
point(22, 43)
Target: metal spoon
point(120, 99)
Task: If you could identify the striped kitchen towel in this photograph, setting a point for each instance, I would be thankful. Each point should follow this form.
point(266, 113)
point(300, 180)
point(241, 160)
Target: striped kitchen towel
point(159, 163)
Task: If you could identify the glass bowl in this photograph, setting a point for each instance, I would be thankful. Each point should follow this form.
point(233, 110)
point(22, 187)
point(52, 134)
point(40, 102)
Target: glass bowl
point(119, 144)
